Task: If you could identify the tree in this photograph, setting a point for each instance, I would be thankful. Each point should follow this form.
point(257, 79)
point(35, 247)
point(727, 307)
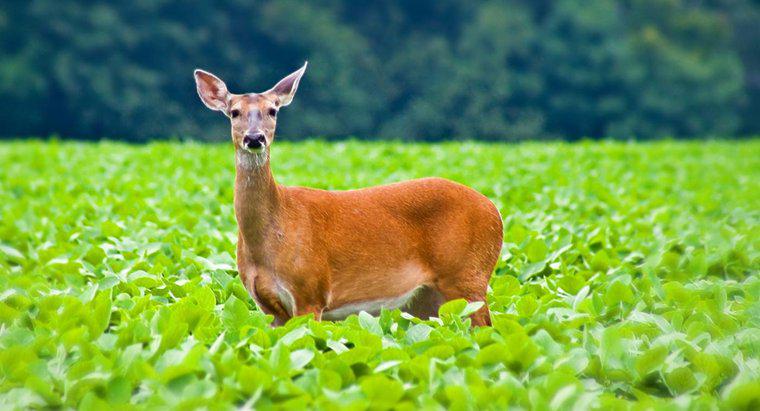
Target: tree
point(688, 81)
point(428, 69)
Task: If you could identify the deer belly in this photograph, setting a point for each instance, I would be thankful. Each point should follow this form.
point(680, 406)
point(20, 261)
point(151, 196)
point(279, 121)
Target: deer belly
point(370, 306)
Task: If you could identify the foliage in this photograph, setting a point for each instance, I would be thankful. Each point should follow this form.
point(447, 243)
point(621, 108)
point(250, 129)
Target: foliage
point(629, 278)
point(431, 70)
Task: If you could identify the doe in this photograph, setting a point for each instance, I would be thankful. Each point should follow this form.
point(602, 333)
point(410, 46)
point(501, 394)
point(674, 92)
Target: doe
point(411, 245)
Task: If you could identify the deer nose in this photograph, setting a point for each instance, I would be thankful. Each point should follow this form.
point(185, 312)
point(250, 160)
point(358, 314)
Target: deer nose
point(254, 140)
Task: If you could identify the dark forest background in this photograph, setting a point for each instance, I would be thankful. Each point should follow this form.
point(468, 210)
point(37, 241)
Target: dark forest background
point(427, 70)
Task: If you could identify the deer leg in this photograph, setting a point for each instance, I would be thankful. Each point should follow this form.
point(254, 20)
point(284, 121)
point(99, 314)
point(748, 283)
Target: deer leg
point(269, 302)
point(470, 287)
point(425, 303)
point(315, 309)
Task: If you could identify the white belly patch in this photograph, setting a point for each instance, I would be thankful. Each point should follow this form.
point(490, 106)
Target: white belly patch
point(372, 306)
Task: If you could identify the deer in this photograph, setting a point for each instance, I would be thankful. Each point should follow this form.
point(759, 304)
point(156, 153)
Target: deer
point(409, 245)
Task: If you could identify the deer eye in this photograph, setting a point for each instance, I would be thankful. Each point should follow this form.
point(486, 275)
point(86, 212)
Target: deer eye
point(273, 112)
point(234, 113)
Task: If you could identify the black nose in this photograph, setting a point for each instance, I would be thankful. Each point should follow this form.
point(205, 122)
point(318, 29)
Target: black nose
point(256, 140)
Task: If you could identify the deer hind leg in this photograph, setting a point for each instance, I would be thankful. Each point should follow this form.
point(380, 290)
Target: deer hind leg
point(472, 286)
point(425, 303)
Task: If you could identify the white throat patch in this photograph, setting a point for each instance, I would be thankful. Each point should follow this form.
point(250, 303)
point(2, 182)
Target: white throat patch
point(249, 161)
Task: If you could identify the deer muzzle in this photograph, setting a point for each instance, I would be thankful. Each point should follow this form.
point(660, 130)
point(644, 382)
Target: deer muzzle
point(254, 141)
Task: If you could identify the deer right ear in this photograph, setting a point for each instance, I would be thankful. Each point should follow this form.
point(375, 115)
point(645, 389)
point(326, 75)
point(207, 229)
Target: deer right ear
point(286, 88)
point(212, 90)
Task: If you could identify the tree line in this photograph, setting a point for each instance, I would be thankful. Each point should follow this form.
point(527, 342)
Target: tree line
point(424, 70)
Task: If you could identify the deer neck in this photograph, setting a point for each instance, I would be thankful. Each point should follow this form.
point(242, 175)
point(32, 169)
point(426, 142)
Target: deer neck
point(257, 196)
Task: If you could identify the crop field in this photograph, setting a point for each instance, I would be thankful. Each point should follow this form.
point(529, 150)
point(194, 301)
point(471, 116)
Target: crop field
point(628, 280)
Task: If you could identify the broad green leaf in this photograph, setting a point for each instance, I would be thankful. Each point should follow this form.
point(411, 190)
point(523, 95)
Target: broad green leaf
point(453, 307)
point(370, 323)
point(418, 333)
point(299, 358)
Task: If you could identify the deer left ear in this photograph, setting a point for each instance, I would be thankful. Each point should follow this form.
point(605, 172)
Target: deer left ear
point(286, 88)
point(212, 91)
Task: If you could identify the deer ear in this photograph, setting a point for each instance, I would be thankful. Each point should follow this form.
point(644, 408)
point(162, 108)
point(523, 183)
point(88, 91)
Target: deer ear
point(286, 88)
point(212, 90)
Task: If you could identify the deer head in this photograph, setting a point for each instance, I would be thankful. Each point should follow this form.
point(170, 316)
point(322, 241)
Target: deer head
point(253, 116)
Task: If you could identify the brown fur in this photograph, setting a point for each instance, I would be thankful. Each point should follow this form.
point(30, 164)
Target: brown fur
point(333, 248)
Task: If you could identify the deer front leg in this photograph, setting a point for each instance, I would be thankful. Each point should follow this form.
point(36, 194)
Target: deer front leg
point(309, 294)
point(274, 296)
point(264, 294)
point(311, 309)
point(268, 299)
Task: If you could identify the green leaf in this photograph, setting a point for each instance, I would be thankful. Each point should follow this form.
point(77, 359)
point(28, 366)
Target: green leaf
point(494, 354)
point(742, 395)
point(142, 279)
point(531, 270)
point(11, 254)
point(536, 250)
point(472, 307)
point(370, 323)
point(652, 360)
point(294, 335)
point(337, 346)
point(681, 380)
point(118, 391)
point(418, 333)
point(235, 314)
point(300, 358)
point(100, 314)
point(381, 391)
point(454, 308)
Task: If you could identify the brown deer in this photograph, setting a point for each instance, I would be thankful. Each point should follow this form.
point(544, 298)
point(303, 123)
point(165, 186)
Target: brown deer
point(410, 245)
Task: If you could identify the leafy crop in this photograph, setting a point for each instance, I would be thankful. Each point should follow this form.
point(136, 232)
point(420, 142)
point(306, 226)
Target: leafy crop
point(629, 278)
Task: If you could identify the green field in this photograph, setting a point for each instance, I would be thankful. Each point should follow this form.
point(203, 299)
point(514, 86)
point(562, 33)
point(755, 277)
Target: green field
point(629, 279)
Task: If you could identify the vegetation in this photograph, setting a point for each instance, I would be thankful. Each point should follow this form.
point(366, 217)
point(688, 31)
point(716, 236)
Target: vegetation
point(629, 276)
point(429, 69)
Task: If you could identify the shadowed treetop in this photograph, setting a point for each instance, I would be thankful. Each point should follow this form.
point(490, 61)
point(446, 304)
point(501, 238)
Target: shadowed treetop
point(427, 70)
